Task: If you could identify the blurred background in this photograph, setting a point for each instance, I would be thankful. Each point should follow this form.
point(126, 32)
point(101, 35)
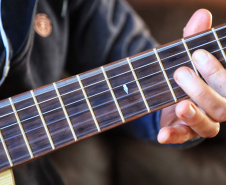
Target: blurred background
point(167, 18)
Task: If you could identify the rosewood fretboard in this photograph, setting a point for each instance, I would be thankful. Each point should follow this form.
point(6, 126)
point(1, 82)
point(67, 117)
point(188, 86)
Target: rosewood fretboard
point(42, 120)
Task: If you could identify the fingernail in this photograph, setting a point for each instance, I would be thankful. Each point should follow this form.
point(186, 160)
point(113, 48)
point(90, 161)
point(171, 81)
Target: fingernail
point(201, 57)
point(190, 113)
point(184, 76)
point(163, 137)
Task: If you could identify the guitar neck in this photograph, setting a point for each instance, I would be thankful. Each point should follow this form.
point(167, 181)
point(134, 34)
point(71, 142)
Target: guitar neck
point(37, 122)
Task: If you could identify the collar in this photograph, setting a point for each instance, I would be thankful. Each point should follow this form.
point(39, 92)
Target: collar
point(17, 17)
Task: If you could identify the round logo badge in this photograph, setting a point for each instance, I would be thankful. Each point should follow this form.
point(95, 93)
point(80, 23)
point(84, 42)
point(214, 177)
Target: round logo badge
point(42, 25)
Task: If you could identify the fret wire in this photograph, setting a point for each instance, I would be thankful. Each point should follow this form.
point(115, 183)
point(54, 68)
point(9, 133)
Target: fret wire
point(219, 43)
point(165, 75)
point(138, 85)
point(110, 111)
point(65, 112)
point(221, 38)
point(162, 59)
point(91, 84)
point(43, 120)
point(109, 78)
point(21, 128)
point(6, 149)
point(88, 103)
point(152, 53)
point(121, 74)
point(189, 55)
point(160, 103)
point(189, 50)
point(84, 99)
point(95, 106)
point(113, 94)
point(1, 138)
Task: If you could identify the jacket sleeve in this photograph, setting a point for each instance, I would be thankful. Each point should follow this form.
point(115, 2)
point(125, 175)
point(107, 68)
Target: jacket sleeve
point(104, 31)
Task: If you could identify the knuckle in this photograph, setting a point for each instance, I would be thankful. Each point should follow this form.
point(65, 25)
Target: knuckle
point(214, 72)
point(221, 114)
point(201, 93)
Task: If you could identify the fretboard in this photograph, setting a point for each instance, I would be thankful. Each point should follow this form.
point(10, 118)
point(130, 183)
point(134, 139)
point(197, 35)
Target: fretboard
point(37, 122)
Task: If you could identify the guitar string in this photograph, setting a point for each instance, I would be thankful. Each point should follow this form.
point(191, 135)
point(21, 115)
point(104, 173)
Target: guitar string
point(119, 120)
point(37, 115)
point(175, 54)
point(64, 140)
point(87, 109)
point(137, 113)
point(92, 95)
point(71, 138)
point(138, 67)
point(40, 138)
point(97, 73)
point(105, 103)
point(151, 53)
point(99, 93)
point(94, 107)
point(104, 80)
point(92, 131)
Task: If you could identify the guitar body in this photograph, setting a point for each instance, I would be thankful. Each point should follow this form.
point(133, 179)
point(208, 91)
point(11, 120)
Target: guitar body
point(7, 178)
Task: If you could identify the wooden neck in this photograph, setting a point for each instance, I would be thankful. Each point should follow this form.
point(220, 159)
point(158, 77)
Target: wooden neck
point(42, 120)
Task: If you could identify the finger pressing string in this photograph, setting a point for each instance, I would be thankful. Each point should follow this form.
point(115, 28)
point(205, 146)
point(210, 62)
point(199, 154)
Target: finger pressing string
point(202, 94)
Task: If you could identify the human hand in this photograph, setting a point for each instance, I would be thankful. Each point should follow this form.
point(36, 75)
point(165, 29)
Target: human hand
point(187, 120)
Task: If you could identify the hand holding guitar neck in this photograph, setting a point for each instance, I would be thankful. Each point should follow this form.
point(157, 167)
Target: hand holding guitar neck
point(200, 116)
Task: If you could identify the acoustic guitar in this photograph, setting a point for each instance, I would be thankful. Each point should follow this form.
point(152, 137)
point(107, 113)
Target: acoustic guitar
point(42, 120)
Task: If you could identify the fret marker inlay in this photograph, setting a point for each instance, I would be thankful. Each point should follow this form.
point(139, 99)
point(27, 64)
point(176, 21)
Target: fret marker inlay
point(138, 84)
point(65, 111)
point(113, 94)
point(125, 88)
point(21, 128)
point(6, 149)
point(43, 120)
point(189, 55)
point(165, 75)
point(219, 43)
point(88, 103)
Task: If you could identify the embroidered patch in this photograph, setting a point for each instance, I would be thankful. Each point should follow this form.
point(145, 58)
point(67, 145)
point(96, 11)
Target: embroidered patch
point(42, 25)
